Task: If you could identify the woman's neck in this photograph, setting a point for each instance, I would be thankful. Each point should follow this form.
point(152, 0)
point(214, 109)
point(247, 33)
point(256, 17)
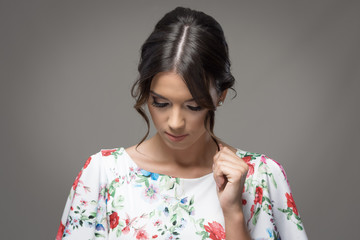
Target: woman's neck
point(198, 154)
point(195, 161)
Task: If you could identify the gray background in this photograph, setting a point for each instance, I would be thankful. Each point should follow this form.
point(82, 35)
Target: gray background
point(66, 72)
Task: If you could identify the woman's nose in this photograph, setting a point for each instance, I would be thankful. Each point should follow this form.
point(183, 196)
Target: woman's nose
point(176, 121)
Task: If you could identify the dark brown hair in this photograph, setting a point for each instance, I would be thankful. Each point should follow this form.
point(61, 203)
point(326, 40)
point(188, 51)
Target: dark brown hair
point(191, 44)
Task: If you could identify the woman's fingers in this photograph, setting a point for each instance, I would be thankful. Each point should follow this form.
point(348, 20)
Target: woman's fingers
point(226, 155)
point(233, 173)
point(228, 168)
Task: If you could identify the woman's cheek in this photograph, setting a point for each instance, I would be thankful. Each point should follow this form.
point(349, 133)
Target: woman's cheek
point(157, 117)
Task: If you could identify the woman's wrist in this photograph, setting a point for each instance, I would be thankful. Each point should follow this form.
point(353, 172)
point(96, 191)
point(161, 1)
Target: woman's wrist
point(235, 225)
point(233, 211)
point(234, 215)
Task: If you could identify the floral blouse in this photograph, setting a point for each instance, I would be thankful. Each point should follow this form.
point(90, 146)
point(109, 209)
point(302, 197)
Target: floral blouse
point(112, 198)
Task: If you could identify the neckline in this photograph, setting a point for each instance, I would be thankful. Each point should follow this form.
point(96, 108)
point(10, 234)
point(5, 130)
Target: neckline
point(162, 174)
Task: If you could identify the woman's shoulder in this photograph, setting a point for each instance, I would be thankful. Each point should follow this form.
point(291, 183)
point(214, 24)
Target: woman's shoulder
point(106, 156)
point(111, 153)
point(260, 163)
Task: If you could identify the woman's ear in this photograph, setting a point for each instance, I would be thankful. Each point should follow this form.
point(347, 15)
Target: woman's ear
point(222, 97)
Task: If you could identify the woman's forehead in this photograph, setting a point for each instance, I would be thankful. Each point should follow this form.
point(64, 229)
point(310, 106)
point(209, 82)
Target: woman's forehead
point(170, 86)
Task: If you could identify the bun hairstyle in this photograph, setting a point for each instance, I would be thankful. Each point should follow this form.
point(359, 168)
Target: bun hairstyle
point(191, 44)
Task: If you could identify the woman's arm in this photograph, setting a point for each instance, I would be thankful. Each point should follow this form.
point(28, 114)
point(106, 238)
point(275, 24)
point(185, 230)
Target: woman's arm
point(84, 216)
point(235, 226)
point(230, 173)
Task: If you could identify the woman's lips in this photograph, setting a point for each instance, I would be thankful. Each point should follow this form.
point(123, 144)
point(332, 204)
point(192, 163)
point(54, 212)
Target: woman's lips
point(175, 138)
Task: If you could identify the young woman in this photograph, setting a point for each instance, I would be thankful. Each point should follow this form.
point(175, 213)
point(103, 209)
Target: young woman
point(183, 182)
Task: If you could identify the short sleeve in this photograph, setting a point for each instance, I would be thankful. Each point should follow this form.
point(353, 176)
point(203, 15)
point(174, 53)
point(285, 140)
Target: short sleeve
point(84, 216)
point(269, 208)
point(286, 215)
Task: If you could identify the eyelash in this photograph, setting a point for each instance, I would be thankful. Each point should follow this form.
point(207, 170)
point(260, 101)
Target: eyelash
point(162, 105)
point(198, 108)
point(159, 105)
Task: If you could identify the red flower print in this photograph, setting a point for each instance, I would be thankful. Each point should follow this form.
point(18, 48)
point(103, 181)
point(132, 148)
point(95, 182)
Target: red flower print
point(263, 159)
point(291, 203)
point(114, 220)
point(154, 236)
point(108, 196)
point(247, 158)
point(216, 231)
point(76, 180)
point(251, 169)
point(60, 232)
point(125, 230)
point(252, 210)
point(270, 207)
point(107, 152)
point(244, 202)
point(142, 235)
point(258, 195)
point(87, 162)
point(84, 203)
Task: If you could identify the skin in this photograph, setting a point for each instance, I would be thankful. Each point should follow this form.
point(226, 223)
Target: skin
point(194, 153)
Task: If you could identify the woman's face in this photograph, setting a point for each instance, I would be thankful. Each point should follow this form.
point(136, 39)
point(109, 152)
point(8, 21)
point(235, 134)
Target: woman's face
point(176, 116)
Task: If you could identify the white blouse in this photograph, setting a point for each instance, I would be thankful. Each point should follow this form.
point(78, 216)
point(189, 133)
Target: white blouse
point(112, 198)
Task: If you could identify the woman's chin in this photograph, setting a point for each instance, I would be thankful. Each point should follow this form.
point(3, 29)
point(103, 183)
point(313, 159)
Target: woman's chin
point(174, 144)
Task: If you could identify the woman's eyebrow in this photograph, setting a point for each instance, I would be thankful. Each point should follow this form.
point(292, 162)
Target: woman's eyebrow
point(162, 97)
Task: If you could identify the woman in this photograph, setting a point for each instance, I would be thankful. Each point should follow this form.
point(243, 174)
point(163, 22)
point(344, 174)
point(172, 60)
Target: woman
point(183, 182)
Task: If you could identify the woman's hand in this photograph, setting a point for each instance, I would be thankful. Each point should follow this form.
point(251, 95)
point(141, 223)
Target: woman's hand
point(229, 173)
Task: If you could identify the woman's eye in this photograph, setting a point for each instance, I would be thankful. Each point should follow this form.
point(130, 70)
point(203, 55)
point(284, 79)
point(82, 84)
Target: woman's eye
point(192, 108)
point(159, 105)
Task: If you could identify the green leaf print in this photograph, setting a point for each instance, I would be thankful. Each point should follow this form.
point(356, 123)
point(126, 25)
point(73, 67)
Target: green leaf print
point(299, 227)
point(264, 184)
point(102, 192)
point(273, 179)
point(200, 222)
point(289, 214)
point(204, 234)
point(175, 207)
point(113, 186)
point(143, 179)
point(99, 235)
point(118, 232)
point(147, 183)
point(152, 213)
point(172, 229)
point(117, 203)
point(266, 199)
point(117, 153)
point(256, 215)
point(173, 218)
point(191, 201)
point(283, 210)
